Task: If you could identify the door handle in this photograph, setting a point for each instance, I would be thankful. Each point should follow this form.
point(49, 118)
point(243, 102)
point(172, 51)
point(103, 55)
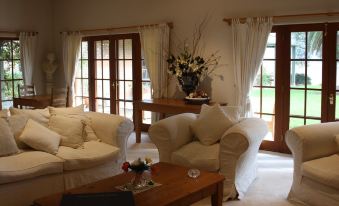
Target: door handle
point(331, 99)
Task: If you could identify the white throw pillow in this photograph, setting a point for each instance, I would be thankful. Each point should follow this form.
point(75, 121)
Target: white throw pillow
point(66, 110)
point(210, 126)
point(39, 115)
point(40, 138)
point(70, 129)
point(17, 124)
point(233, 112)
point(7, 141)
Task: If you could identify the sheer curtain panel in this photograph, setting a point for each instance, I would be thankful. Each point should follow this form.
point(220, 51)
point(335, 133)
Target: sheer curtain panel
point(249, 43)
point(71, 42)
point(28, 49)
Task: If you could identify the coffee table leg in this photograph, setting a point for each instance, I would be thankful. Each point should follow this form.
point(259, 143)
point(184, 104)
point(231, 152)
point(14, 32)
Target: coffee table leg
point(216, 198)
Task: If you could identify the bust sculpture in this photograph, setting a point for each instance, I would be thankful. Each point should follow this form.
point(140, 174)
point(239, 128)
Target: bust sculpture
point(49, 67)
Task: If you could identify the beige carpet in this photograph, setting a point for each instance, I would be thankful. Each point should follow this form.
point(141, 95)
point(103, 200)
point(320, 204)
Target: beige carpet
point(271, 187)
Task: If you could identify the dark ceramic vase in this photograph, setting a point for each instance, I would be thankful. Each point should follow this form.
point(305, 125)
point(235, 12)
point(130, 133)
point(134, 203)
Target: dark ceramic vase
point(188, 82)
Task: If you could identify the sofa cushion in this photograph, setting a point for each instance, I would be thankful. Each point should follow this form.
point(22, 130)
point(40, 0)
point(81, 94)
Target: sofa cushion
point(4, 113)
point(197, 155)
point(233, 112)
point(17, 124)
point(211, 125)
point(7, 141)
point(92, 154)
point(70, 129)
point(66, 110)
point(28, 164)
point(40, 138)
point(39, 115)
point(324, 170)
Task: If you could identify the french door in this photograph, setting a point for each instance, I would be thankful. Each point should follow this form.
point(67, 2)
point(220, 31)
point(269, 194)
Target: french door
point(297, 83)
point(114, 64)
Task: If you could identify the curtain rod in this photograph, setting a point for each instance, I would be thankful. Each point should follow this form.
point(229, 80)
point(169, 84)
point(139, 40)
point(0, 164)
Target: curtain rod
point(243, 19)
point(17, 32)
point(170, 24)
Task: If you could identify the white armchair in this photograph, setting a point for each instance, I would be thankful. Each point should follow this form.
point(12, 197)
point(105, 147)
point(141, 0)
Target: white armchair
point(234, 156)
point(315, 150)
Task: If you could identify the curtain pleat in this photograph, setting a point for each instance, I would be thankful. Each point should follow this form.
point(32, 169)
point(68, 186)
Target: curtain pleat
point(28, 49)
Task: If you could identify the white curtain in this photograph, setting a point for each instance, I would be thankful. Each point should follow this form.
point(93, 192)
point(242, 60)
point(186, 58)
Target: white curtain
point(155, 46)
point(71, 42)
point(28, 49)
point(249, 44)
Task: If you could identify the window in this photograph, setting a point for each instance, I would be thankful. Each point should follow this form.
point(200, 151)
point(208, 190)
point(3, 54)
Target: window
point(81, 94)
point(10, 69)
point(146, 92)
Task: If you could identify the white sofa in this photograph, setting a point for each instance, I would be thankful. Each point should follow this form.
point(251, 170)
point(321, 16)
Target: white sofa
point(315, 150)
point(234, 156)
point(31, 174)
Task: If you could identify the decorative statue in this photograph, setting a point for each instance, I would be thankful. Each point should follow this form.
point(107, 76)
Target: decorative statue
point(49, 68)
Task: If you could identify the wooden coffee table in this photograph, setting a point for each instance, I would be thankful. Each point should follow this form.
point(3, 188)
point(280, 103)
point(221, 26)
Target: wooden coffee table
point(176, 188)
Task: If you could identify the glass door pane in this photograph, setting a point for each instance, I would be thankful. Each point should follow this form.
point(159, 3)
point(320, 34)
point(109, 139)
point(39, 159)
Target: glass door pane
point(306, 72)
point(337, 78)
point(124, 80)
point(102, 76)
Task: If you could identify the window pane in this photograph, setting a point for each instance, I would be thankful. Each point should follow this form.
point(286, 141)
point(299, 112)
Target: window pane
point(128, 48)
point(313, 106)
point(84, 50)
point(78, 87)
point(6, 90)
point(144, 72)
point(146, 117)
point(17, 73)
point(105, 47)
point(121, 70)
point(146, 90)
point(314, 44)
point(7, 104)
point(129, 110)
point(7, 70)
point(121, 49)
point(257, 81)
point(5, 49)
point(128, 70)
point(16, 49)
point(16, 85)
point(98, 105)
point(121, 108)
point(268, 100)
point(98, 88)
point(255, 99)
point(296, 122)
point(98, 69)
point(297, 100)
point(314, 74)
point(270, 47)
point(84, 68)
point(298, 44)
point(129, 90)
point(337, 45)
point(312, 121)
point(107, 91)
point(337, 105)
point(121, 90)
point(270, 120)
point(106, 69)
point(298, 74)
point(107, 106)
point(268, 76)
point(98, 49)
point(85, 87)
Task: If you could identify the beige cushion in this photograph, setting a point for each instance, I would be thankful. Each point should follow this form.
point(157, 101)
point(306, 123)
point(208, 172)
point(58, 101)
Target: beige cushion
point(40, 138)
point(28, 165)
point(70, 129)
point(39, 115)
point(4, 113)
point(17, 124)
point(92, 154)
point(233, 112)
point(7, 141)
point(66, 110)
point(197, 155)
point(210, 126)
point(324, 170)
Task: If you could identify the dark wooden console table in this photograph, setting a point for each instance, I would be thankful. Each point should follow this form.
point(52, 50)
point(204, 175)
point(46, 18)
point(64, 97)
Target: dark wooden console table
point(37, 101)
point(163, 106)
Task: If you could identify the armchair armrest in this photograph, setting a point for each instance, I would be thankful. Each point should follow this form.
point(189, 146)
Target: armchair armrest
point(112, 129)
point(239, 146)
point(313, 141)
point(171, 133)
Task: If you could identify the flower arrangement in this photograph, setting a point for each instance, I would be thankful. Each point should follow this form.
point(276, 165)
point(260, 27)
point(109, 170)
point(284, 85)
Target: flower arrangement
point(189, 67)
point(138, 165)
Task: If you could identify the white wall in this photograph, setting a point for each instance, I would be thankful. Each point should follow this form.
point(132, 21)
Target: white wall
point(32, 15)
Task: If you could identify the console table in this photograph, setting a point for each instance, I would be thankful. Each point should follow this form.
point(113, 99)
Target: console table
point(163, 106)
point(37, 101)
